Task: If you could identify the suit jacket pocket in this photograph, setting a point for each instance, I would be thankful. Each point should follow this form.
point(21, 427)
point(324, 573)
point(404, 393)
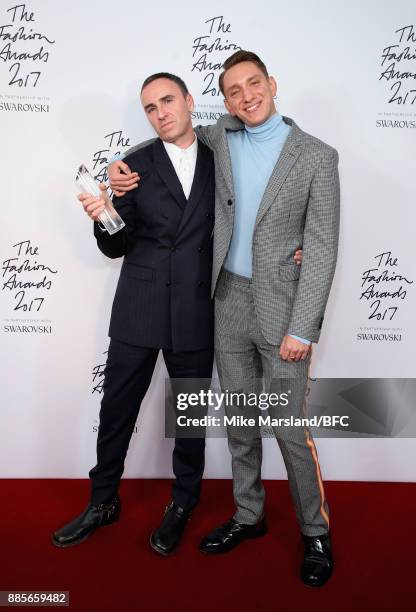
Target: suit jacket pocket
point(289, 272)
point(135, 271)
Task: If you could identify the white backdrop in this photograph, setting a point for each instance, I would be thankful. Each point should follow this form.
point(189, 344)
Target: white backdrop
point(69, 79)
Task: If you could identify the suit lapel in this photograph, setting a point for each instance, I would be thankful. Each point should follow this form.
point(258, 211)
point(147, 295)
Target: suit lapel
point(167, 173)
point(290, 153)
point(231, 124)
point(203, 169)
point(225, 167)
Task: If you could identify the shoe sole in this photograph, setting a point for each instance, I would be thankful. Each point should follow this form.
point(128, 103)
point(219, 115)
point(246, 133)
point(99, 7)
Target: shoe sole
point(69, 544)
point(159, 551)
point(221, 552)
point(316, 585)
point(81, 540)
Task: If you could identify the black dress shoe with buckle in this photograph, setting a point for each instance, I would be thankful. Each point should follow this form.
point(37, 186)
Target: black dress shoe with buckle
point(228, 536)
point(166, 538)
point(89, 521)
point(317, 561)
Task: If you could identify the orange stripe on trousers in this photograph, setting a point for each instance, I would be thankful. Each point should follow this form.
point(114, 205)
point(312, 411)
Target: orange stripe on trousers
point(314, 454)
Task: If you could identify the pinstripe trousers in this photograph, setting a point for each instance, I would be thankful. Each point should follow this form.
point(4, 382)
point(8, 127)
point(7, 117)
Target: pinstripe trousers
point(247, 363)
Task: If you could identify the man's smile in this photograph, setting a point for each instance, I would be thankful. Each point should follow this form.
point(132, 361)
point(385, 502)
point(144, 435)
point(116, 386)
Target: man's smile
point(253, 108)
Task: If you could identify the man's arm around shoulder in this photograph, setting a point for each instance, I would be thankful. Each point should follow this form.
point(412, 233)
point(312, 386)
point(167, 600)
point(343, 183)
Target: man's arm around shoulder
point(120, 176)
point(208, 134)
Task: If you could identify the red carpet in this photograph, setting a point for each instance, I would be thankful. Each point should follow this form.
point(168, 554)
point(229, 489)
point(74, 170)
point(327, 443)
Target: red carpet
point(372, 529)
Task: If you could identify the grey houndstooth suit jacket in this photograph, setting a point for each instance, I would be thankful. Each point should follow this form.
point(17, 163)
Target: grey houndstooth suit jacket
point(299, 208)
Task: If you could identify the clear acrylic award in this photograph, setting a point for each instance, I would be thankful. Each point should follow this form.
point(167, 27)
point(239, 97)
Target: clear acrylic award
point(109, 218)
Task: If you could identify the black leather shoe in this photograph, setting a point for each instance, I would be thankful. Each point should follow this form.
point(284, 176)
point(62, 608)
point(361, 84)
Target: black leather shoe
point(317, 561)
point(168, 536)
point(228, 536)
point(89, 521)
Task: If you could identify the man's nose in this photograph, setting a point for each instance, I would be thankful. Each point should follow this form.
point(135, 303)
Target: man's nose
point(247, 94)
point(161, 112)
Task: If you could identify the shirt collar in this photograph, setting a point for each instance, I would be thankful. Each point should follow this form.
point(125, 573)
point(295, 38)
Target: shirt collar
point(266, 130)
point(176, 152)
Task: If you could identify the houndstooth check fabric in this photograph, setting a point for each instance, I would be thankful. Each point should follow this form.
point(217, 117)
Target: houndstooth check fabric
point(300, 208)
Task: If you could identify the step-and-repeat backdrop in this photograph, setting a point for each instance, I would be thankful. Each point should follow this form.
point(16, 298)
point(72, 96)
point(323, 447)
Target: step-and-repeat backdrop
point(70, 75)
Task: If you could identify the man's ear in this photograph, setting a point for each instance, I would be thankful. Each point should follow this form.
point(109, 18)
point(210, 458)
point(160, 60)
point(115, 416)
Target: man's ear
point(228, 107)
point(273, 85)
point(190, 102)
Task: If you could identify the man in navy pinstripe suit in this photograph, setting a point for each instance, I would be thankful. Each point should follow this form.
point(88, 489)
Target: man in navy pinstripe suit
point(162, 302)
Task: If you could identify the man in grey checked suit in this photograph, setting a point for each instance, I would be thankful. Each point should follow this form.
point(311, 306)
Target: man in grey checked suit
point(277, 189)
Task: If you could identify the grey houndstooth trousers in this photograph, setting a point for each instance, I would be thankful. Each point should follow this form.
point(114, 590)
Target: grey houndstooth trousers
point(244, 359)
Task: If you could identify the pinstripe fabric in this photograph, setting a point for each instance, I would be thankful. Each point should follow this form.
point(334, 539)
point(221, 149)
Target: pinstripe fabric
point(244, 358)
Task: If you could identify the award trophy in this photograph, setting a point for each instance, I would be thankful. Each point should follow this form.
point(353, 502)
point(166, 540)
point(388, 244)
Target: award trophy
point(109, 218)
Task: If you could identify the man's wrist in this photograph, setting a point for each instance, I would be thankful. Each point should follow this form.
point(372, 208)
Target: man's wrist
point(303, 340)
point(116, 157)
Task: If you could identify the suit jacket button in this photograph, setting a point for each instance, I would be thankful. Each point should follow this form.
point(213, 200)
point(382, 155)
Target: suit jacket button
point(200, 249)
point(167, 284)
point(172, 249)
point(200, 284)
point(230, 202)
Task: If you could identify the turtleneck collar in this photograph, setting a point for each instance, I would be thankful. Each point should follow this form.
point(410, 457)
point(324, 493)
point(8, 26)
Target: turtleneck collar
point(265, 130)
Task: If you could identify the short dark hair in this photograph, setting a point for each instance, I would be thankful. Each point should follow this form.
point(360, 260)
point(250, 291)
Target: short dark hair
point(237, 58)
point(166, 75)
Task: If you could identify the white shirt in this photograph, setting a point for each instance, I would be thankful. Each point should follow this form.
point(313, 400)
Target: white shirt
point(184, 162)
